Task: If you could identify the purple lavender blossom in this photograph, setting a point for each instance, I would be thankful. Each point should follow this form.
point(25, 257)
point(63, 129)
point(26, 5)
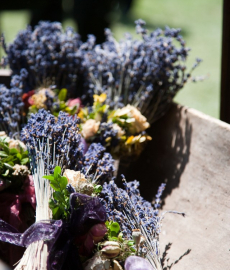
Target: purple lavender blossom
point(58, 143)
point(145, 73)
point(11, 106)
point(125, 204)
point(131, 211)
point(98, 163)
point(49, 54)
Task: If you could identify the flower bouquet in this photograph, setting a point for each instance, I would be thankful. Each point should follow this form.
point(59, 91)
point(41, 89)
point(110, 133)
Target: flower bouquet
point(121, 131)
point(83, 220)
point(76, 107)
point(117, 88)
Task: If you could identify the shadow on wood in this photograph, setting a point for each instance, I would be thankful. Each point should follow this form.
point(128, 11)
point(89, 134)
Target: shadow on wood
point(192, 151)
point(165, 157)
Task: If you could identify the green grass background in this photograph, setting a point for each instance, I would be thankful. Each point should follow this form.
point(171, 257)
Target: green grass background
point(201, 24)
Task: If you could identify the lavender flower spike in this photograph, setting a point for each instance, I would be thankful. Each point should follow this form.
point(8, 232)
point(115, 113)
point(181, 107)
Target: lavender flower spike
point(132, 212)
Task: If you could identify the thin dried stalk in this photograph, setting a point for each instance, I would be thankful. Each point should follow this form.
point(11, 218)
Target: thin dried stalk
point(36, 254)
point(35, 257)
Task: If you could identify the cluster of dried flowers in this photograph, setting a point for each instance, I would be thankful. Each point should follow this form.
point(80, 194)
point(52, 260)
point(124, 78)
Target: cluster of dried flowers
point(72, 108)
point(117, 88)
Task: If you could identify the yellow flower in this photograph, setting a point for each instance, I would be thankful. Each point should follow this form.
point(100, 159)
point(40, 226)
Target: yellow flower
point(81, 114)
point(129, 140)
point(100, 98)
point(39, 98)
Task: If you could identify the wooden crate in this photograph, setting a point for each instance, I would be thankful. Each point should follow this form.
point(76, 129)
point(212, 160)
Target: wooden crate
point(191, 152)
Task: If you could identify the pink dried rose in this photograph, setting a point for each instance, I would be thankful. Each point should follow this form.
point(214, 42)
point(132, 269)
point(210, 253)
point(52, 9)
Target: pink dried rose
point(74, 102)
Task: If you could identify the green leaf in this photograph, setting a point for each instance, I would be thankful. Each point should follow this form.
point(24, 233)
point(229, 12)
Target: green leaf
point(57, 171)
point(3, 154)
point(4, 146)
point(130, 243)
point(112, 234)
point(6, 173)
point(63, 182)
point(115, 227)
point(62, 106)
point(113, 238)
point(74, 110)
point(49, 177)
point(24, 161)
point(13, 151)
point(56, 212)
point(133, 249)
point(62, 94)
point(97, 189)
point(107, 224)
point(59, 196)
point(25, 154)
point(8, 166)
point(55, 186)
point(19, 156)
point(52, 204)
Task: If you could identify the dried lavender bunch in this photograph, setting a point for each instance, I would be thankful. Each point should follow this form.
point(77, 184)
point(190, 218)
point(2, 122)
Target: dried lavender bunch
point(49, 54)
point(134, 214)
point(58, 143)
point(11, 106)
point(145, 73)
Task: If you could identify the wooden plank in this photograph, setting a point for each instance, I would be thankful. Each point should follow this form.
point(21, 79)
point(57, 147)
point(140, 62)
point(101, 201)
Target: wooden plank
point(5, 77)
point(190, 151)
point(225, 68)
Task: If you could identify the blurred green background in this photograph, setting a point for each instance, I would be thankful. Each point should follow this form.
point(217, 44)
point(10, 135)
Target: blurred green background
point(201, 24)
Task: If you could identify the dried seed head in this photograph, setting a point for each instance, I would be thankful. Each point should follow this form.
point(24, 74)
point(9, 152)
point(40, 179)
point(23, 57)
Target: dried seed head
point(111, 249)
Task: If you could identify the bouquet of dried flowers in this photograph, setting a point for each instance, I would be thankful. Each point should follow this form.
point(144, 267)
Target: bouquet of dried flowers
point(121, 131)
point(83, 220)
point(76, 106)
point(49, 54)
point(120, 88)
point(145, 73)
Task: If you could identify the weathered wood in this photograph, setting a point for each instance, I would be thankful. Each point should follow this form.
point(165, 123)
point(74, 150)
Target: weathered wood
point(191, 151)
point(5, 76)
point(225, 68)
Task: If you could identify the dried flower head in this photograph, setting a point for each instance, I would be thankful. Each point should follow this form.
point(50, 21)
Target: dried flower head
point(144, 73)
point(135, 216)
point(49, 54)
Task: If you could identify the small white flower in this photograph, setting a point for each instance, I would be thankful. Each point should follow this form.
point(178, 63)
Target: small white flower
point(20, 170)
point(90, 128)
point(17, 144)
point(138, 122)
point(78, 181)
point(75, 178)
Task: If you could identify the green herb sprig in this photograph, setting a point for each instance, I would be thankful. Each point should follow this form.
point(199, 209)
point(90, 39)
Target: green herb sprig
point(59, 204)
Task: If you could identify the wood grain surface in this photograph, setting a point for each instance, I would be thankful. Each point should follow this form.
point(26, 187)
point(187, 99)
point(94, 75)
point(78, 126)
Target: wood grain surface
point(191, 152)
